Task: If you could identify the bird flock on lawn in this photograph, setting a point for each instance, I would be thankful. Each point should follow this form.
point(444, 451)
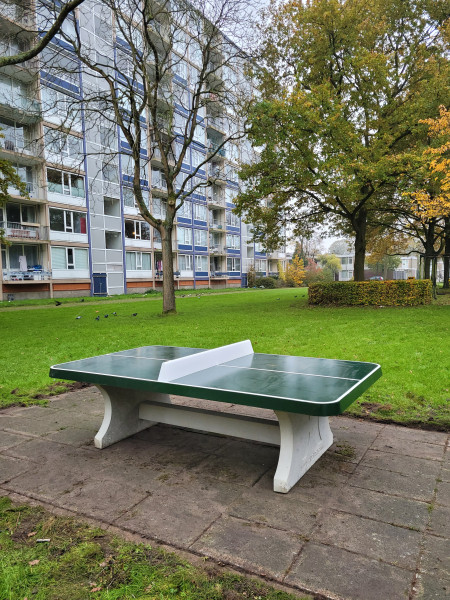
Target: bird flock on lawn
point(97, 318)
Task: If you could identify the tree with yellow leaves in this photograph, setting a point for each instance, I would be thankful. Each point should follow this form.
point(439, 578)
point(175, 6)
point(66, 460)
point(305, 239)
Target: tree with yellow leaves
point(431, 203)
point(295, 272)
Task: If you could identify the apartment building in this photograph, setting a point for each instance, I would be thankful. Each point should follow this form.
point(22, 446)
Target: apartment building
point(79, 232)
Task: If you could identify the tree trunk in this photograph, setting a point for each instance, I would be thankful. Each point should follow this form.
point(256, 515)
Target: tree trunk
point(446, 284)
point(429, 250)
point(167, 263)
point(360, 227)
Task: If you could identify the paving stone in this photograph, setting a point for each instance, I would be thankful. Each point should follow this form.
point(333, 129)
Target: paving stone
point(440, 521)
point(381, 507)
point(143, 477)
point(35, 412)
point(224, 468)
point(406, 465)
point(250, 546)
point(436, 556)
point(181, 509)
point(183, 439)
point(277, 510)
point(443, 493)
point(36, 427)
point(72, 436)
point(380, 541)
point(418, 487)
point(337, 572)
point(7, 440)
point(59, 456)
point(432, 588)
point(416, 435)
point(310, 488)
point(357, 425)
point(46, 482)
point(408, 447)
point(101, 499)
point(251, 452)
point(10, 467)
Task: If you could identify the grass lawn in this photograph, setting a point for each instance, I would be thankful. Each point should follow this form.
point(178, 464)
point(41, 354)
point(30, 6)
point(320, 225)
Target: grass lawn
point(411, 344)
point(79, 562)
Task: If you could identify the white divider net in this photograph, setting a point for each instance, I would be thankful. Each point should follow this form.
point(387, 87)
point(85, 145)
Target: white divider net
point(179, 367)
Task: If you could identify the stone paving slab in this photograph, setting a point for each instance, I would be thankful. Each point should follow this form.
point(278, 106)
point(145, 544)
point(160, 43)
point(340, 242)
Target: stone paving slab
point(369, 521)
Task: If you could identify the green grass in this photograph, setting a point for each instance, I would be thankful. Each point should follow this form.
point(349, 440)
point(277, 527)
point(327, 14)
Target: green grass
point(96, 299)
point(81, 562)
point(411, 344)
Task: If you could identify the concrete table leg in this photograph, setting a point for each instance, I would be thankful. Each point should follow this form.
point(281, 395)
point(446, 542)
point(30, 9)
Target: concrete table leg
point(121, 418)
point(303, 440)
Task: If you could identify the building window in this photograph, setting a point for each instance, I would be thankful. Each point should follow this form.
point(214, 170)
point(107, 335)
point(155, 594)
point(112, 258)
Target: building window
point(109, 172)
point(260, 266)
point(67, 221)
point(159, 208)
point(158, 179)
point(233, 241)
point(230, 195)
point(62, 182)
point(20, 256)
point(69, 258)
point(138, 261)
point(57, 104)
point(185, 210)
point(201, 263)
point(19, 213)
point(233, 264)
point(232, 219)
point(137, 230)
point(200, 212)
point(185, 262)
point(62, 145)
point(184, 236)
point(200, 237)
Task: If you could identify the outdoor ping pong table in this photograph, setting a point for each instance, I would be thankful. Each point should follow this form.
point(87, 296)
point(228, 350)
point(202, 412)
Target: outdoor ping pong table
point(303, 393)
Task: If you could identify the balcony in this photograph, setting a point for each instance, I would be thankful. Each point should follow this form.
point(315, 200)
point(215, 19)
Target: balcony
point(19, 108)
point(31, 274)
point(217, 225)
point(215, 200)
point(216, 123)
point(214, 150)
point(219, 275)
point(217, 250)
point(24, 152)
point(18, 231)
point(31, 188)
point(15, 18)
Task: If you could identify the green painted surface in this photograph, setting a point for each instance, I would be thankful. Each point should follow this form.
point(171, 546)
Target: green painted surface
point(312, 386)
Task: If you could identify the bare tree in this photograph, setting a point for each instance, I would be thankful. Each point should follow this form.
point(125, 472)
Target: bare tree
point(168, 88)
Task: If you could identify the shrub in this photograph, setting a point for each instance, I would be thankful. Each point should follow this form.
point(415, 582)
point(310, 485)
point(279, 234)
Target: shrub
point(251, 276)
point(267, 282)
point(366, 293)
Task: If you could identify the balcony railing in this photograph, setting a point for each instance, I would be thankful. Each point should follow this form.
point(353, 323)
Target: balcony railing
point(32, 274)
point(24, 232)
point(31, 189)
point(14, 104)
point(213, 147)
point(17, 14)
point(20, 145)
point(217, 249)
point(216, 122)
point(220, 225)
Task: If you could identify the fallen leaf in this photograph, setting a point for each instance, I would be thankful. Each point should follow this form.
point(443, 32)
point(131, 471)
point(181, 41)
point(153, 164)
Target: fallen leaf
point(32, 533)
point(34, 562)
point(96, 589)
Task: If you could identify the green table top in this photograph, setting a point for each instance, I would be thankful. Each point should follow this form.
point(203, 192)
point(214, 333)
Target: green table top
point(314, 386)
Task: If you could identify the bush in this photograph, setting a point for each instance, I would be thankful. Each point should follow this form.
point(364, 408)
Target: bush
point(267, 282)
point(366, 293)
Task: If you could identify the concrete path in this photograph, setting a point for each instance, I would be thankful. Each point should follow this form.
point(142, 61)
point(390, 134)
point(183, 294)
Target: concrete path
point(370, 521)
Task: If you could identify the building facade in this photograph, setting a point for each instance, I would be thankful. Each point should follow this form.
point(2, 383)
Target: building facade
point(79, 232)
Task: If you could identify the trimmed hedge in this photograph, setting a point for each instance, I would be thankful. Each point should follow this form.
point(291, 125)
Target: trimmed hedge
point(366, 293)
